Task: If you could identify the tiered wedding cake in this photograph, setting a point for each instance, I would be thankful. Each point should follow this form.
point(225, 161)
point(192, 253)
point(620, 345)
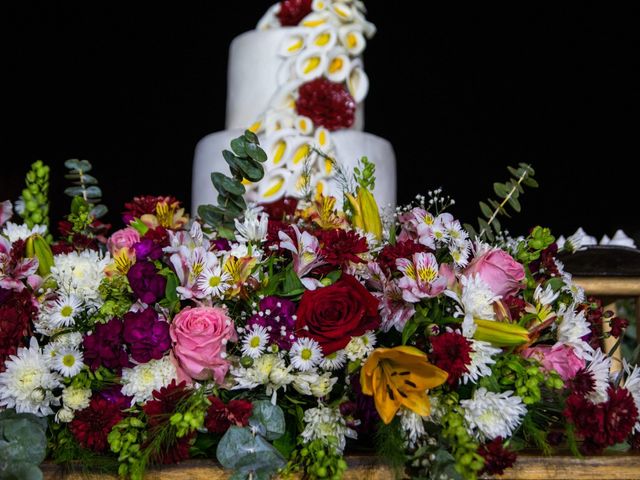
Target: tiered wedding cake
point(298, 82)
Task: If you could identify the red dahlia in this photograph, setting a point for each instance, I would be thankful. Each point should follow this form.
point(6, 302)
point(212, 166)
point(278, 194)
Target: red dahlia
point(91, 426)
point(452, 353)
point(402, 249)
point(16, 308)
point(327, 104)
point(340, 246)
point(620, 416)
point(165, 402)
point(583, 383)
point(496, 458)
point(220, 416)
point(292, 12)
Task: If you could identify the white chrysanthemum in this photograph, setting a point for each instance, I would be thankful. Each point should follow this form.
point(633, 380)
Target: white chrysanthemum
point(305, 354)
point(335, 360)
point(325, 423)
point(214, 282)
point(361, 347)
point(15, 232)
point(252, 228)
point(67, 340)
point(76, 398)
point(68, 362)
point(492, 415)
point(412, 425)
point(140, 381)
point(310, 383)
point(632, 384)
point(269, 370)
point(80, 274)
point(545, 296)
point(64, 415)
point(255, 341)
point(481, 357)
point(477, 301)
point(599, 368)
point(27, 382)
point(63, 311)
point(576, 291)
point(572, 327)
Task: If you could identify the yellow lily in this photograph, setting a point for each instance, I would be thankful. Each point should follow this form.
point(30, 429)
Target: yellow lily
point(400, 376)
point(501, 334)
point(36, 246)
point(366, 215)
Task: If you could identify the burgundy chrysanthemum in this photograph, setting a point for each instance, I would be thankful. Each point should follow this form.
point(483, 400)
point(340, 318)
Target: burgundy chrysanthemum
point(327, 104)
point(16, 309)
point(105, 346)
point(145, 204)
point(91, 426)
point(177, 451)
point(272, 244)
point(340, 247)
point(452, 353)
point(620, 416)
point(403, 249)
point(280, 209)
point(583, 383)
point(220, 416)
point(292, 12)
point(165, 402)
point(618, 325)
point(496, 458)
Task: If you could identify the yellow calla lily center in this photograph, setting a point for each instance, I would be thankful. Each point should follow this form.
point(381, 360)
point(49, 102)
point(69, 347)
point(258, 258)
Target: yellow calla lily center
point(400, 376)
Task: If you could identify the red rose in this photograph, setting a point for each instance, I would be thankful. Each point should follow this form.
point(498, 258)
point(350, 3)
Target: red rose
point(332, 315)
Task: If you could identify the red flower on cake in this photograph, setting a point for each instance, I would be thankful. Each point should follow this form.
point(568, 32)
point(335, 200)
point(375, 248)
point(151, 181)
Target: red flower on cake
point(327, 104)
point(292, 12)
point(91, 426)
point(452, 353)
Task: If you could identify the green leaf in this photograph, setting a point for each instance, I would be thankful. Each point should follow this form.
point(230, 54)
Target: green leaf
point(210, 215)
point(239, 146)
point(268, 419)
point(500, 189)
point(224, 184)
point(240, 450)
point(484, 226)
point(78, 165)
point(251, 137)
point(530, 182)
point(256, 153)
point(471, 230)
point(93, 192)
point(99, 211)
point(486, 211)
point(75, 191)
point(515, 204)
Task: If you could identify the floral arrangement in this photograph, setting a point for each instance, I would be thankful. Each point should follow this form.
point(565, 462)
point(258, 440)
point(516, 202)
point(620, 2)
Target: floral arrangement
point(296, 332)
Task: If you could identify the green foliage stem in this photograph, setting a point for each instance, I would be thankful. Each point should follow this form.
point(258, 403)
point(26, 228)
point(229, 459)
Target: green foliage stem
point(36, 197)
point(84, 185)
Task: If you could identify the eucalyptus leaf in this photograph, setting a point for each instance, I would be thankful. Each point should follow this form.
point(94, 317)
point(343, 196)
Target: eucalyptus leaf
point(229, 185)
point(486, 211)
point(78, 165)
point(268, 418)
point(251, 137)
point(500, 189)
point(515, 204)
point(75, 191)
point(99, 210)
point(256, 153)
point(239, 146)
point(93, 192)
point(484, 226)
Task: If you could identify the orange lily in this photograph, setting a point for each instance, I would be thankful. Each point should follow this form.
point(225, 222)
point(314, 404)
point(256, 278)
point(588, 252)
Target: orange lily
point(400, 376)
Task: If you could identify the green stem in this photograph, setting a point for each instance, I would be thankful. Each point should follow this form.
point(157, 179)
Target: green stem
point(506, 199)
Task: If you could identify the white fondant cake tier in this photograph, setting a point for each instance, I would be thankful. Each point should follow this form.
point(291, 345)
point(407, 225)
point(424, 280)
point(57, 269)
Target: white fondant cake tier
point(350, 147)
point(255, 75)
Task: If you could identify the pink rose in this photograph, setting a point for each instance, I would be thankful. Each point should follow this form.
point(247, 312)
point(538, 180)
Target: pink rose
point(200, 336)
point(559, 357)
point(125, 238)
point(500, 271)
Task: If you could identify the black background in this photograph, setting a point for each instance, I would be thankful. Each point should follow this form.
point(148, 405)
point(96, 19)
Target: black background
point(461, 90)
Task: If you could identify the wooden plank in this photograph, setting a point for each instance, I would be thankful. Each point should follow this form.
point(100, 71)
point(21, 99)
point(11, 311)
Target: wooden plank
point(528, 467)
point(610, 286)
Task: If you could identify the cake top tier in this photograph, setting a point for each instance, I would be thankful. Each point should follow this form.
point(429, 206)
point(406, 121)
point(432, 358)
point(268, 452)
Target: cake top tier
point(295, 79)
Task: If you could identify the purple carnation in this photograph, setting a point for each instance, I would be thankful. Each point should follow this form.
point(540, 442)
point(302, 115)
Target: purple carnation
point(115, 396)
point(148, 338)
point(146, 282)
point(278, 314)
point(105, 346)
point(147, 249)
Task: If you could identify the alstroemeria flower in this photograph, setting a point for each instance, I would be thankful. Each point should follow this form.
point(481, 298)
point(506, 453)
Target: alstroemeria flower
point(398, 377)
point(306, 255)
point(421, 278)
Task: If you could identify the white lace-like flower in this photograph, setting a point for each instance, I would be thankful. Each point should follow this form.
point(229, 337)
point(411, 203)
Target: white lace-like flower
point(255, 341)
point(326, 423)
point(76, 398)
point(214, 282)
point(632, 384)
point(80, 274)
point(361, 347)
point(492, 415)
point(140, 381)
point(27, 382)
point(334, 361)
point(15, 232)
point(252, 228)
point(599, 368)
point(481, 358)
point(305, 354)
point(572, 327)
point(63, 311)
point(412, 425)
point(68, 362)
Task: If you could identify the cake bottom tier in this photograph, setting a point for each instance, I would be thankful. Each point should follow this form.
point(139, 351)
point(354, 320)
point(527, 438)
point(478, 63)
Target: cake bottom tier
point(350, 147)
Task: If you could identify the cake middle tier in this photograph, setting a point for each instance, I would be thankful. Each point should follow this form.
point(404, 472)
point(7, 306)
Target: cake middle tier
point(257, 74)
point(350, 146)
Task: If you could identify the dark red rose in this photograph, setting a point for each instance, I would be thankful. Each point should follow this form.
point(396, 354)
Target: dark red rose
point(332, 315)
point(327, 104)
point(91, 426)
point(292, 12)
point(220, 416)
